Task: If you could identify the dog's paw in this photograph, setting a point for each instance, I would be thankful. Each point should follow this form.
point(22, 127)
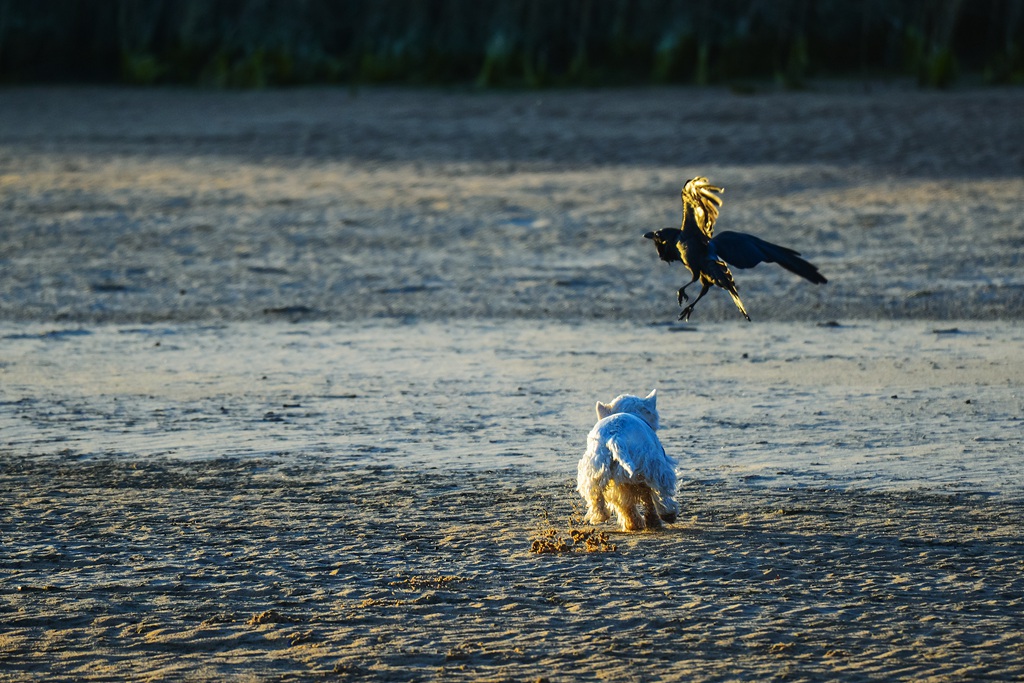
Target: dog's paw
point(669, 517)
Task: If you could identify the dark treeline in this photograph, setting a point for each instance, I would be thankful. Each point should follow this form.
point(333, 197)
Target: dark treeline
point(519, 43)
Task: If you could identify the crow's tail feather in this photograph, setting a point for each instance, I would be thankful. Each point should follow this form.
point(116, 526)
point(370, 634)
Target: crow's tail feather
point(791, 261)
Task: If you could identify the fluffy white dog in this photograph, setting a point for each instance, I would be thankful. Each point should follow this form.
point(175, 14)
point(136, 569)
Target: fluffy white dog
point(625, 466)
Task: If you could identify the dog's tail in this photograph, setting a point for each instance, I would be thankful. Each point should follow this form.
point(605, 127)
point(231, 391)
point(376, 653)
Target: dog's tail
point(621, 455)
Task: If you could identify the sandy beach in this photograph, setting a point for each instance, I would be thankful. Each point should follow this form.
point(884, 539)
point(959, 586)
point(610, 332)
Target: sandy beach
point(291, 381)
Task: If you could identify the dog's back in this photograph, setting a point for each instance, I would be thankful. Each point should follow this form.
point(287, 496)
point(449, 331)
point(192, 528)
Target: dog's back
point(625, 441)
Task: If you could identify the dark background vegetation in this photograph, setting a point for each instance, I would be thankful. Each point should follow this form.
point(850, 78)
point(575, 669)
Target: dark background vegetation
point(517, 43)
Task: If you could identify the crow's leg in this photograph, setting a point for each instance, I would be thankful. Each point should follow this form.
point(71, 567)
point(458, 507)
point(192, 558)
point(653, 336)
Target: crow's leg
point(681, 294)
point(685, 315)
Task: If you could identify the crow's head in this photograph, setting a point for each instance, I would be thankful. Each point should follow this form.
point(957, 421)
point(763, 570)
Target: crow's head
point(665, 240)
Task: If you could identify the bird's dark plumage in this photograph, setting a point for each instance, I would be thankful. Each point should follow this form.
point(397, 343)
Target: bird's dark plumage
point(708, 256)
point(746, 251)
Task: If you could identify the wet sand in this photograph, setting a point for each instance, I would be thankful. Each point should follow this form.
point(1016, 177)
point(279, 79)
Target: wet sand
point(865, 406)
point(291, 381)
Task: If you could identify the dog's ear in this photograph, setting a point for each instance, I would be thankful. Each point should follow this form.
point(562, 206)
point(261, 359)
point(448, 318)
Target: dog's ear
point(652, 398)
point(603, 410)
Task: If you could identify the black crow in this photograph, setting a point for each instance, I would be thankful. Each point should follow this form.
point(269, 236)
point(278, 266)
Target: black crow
point(706, 255)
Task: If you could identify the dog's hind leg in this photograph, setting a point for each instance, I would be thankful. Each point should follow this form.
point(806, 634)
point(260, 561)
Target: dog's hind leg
point(651, 517)
point(623, 499)
point(591, 480)
point(597, 510)
point(663, 490)
point(668, 508)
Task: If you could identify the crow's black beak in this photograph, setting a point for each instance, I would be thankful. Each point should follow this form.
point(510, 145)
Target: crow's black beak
point(649, 235)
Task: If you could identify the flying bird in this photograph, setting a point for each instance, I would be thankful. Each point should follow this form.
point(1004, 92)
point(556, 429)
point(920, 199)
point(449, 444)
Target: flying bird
point(708, 256)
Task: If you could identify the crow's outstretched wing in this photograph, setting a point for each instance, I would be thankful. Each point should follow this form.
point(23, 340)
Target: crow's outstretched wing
point(745, 251)
point(701, 197)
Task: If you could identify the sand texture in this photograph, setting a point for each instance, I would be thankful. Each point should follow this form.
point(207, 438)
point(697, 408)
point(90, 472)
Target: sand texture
point(259, 570)
point(292, 382)
point(129, 206)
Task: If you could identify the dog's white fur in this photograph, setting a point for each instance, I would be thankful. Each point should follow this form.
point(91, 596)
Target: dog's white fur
point(626, 467)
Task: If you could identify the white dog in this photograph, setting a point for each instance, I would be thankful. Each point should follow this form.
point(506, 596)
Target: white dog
point(626, 467)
